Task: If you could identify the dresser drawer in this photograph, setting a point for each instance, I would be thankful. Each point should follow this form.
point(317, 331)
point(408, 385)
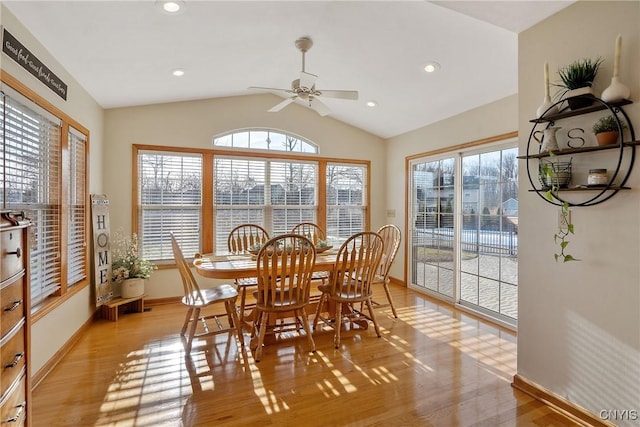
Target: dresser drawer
point(12, 358)
point(12, 253)
point(14, 406)
point(11, 305)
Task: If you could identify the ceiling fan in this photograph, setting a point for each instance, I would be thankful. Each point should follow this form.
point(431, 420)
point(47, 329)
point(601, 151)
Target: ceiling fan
point(304, 88)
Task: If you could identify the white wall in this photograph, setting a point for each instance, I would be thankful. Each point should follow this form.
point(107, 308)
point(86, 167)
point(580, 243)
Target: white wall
point(52, 331)
point(493, 119)
point(579, 323)
point(195, 123)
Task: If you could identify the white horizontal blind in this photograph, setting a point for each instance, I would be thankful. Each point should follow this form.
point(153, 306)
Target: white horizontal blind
point(240, 191)
point(272, 193)
point(31, 182)
point(293, 195)
point(346, 201)
point(170, 200)
point(76, 238)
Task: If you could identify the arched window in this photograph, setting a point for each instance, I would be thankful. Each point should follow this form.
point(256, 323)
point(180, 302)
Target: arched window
point(265, 139)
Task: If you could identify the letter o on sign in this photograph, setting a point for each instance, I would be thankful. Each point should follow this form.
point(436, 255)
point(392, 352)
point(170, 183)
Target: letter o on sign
point(102, 240)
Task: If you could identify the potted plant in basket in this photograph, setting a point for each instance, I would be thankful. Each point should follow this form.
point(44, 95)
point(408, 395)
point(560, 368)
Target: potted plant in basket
point(553, 178)
point(577, 79)
point(607, 130)
point(128, 268)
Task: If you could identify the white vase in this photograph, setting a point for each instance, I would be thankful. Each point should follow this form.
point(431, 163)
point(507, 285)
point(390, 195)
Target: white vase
point(547, 107)
point(616, 91)
point(132, 288)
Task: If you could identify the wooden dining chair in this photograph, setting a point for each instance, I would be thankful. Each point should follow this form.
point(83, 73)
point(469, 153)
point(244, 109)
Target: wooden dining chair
point(391, 237)
point(350, 282)
point(195, 299)
point(241, 239)
point(311, 231)
point(245, 236)
point(314, 233)
point(284, 266)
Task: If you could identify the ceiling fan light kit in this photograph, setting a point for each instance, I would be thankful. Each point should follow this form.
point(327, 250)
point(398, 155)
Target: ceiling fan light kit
point(303, 89)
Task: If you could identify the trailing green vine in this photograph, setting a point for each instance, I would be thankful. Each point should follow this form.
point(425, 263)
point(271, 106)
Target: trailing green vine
point(566, 227)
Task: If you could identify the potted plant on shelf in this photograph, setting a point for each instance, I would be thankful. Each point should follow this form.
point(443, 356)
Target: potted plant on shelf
point(607, 130)
point(553, 178)
point(577, 80)
point(128, 268)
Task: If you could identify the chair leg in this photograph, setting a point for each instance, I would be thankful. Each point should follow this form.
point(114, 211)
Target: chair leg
point(388, 292)
point(305, 325)
point(185, 324)
point(243, 299)
point(338, 325)
point(228, 305)
point(318, 310)
point(373, 317)
point(187, 318)
point(231, 311)
point(192, 329)
point(264, 319)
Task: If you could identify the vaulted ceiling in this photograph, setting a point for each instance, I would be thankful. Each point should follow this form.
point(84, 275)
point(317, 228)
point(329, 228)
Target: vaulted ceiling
point(123, 52)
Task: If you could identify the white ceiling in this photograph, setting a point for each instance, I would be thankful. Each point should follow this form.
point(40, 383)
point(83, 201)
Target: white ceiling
point(123, 52)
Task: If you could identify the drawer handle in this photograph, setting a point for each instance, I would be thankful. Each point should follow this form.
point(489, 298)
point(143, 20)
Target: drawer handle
point(18, 414)
point(17, 252)
point(15, 360)
point(13, 306)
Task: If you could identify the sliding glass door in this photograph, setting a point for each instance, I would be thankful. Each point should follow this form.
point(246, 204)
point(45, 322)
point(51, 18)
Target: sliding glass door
point(464, 229)
point(432, 260)
point(489, 232)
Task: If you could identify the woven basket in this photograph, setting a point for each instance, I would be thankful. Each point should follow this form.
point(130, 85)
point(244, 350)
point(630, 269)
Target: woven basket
point(559, 176)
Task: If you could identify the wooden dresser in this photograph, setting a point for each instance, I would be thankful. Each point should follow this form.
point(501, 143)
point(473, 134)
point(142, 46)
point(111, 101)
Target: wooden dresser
point(15, 324)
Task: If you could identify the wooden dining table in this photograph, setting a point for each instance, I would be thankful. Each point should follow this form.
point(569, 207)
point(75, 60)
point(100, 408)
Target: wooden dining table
point(241, 266)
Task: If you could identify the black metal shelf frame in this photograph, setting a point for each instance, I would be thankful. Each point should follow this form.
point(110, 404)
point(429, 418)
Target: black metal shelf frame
point(603, 193)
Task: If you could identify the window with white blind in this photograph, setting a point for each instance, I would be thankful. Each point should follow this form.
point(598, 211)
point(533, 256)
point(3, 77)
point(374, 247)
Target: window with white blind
point(31, 182)
point(202, 194)
point(275, 194)
point(346, 200)
point(43, 172)
point(170, 200)
point(77, 195)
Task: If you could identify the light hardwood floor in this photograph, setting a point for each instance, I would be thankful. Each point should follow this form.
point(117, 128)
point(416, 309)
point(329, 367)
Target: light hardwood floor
point(433, 366)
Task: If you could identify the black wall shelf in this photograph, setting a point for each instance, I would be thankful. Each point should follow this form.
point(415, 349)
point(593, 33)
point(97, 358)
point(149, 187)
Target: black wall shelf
point(620, 174)
point(565, 151)
point(572, 113)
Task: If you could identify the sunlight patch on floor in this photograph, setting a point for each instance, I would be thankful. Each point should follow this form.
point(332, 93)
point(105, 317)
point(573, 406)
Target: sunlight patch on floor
point(139, 390)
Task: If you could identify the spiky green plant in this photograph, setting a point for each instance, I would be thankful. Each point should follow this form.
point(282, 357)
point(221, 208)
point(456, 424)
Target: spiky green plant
point(579, 73)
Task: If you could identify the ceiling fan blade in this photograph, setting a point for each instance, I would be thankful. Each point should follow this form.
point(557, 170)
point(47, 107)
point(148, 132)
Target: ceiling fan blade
point(307, 80)
point(281, 105)
point(340, 94)
point(319, 107)
point(271, 89)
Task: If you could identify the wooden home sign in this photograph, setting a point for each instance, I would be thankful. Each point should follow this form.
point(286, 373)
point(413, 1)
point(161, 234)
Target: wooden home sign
point(101, 249)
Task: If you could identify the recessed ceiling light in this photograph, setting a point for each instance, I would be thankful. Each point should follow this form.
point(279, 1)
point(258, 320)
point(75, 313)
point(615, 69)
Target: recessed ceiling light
point(371, 103)
point(178, 72)
point(171, 6)
point(431, 66)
